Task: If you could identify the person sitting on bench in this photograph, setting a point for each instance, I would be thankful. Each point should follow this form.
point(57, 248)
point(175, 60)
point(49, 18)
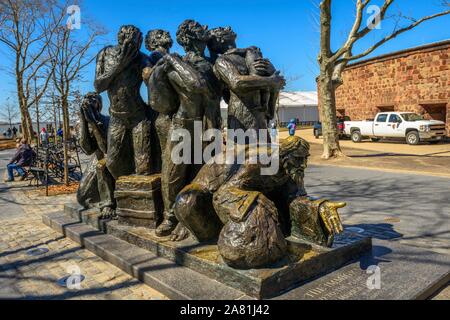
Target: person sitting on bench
point(23, 158)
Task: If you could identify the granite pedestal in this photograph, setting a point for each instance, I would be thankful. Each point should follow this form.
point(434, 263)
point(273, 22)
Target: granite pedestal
point(188, 270)
point(304, 261)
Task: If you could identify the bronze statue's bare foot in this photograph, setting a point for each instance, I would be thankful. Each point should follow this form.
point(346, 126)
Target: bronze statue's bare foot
point(166, 228)
point(108, 213)
point(180, 233)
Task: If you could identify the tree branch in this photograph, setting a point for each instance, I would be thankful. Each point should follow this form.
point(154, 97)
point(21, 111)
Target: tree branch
point(353, 36)
point(392, 36)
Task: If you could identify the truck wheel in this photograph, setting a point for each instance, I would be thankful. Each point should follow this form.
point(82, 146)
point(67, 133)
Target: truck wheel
point(413, 138)
point(356, 136)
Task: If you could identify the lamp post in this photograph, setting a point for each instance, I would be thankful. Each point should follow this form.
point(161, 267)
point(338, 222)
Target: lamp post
point(9, 114)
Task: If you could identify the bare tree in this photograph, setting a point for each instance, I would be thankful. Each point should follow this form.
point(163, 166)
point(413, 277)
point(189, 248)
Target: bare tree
point(332, 63)
point(71, 54)
point(26, 27)
point(10, 112)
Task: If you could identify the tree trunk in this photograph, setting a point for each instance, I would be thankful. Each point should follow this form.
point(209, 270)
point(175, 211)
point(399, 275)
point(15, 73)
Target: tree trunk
point(327, 96)
point(27, 126)
point(25, 117)
point(327, 89)
point(30, 126)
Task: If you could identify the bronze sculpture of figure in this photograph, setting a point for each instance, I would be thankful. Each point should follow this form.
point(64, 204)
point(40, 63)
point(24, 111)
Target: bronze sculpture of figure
point(119, 72)
point(190, 88)
point(221, 40)
point(246, 211)
point(250, 107)
point(159, 43)
point(97, 186)
point(253, 217)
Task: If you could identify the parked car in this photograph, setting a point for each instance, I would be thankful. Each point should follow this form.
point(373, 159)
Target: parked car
point(340, 125)
point(397, 125)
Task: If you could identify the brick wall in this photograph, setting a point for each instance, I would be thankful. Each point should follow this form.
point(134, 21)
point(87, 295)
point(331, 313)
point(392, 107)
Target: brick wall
point(415, 80)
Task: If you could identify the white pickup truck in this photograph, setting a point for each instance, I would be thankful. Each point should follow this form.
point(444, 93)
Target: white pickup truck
point(391, 125)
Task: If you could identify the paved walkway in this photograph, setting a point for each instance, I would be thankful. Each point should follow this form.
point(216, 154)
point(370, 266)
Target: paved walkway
point(28, 277)
point(408, 209)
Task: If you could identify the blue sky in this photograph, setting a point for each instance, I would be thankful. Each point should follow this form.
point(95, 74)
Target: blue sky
point(285, 30)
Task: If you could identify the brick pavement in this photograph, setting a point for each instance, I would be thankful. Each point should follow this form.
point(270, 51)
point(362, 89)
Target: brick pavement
point(26, 277)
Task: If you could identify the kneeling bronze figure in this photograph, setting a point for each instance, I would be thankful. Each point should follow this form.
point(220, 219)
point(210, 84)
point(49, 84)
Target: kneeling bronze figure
point(251, 214)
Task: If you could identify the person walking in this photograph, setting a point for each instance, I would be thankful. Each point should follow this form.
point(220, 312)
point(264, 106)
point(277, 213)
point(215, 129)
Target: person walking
point(14, 131)
point(8, 133)
point(292, 127)
point(44, 138)
point(60, 134)
point(22, 158)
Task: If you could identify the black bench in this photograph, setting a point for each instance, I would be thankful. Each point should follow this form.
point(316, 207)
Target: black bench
point(37, 174)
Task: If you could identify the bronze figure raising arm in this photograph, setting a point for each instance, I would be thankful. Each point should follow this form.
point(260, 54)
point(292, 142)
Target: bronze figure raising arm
point(185, 76)
point(108, 66)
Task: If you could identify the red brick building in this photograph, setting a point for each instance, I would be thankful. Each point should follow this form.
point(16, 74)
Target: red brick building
point(416, 80)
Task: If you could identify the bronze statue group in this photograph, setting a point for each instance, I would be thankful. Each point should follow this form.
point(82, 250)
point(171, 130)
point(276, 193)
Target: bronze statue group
point(249, 215)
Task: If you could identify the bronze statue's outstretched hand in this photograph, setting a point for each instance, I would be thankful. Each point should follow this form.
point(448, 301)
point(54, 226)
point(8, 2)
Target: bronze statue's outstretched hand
point(330, 216)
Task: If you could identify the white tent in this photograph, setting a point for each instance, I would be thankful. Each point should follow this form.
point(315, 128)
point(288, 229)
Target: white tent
point(302, 105)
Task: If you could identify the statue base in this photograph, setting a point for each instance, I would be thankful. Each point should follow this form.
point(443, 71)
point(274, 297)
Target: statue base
point(304, 262)
point(199, 273)
point(139, 201)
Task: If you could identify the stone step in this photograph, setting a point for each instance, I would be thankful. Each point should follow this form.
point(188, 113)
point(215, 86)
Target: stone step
point(405, 272)
point(172, 280)
point(310, 262)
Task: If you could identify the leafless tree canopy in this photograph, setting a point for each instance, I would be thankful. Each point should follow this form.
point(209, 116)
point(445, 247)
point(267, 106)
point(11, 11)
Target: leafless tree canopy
point(9, 112)
point(70, 53)
point(26, 27)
